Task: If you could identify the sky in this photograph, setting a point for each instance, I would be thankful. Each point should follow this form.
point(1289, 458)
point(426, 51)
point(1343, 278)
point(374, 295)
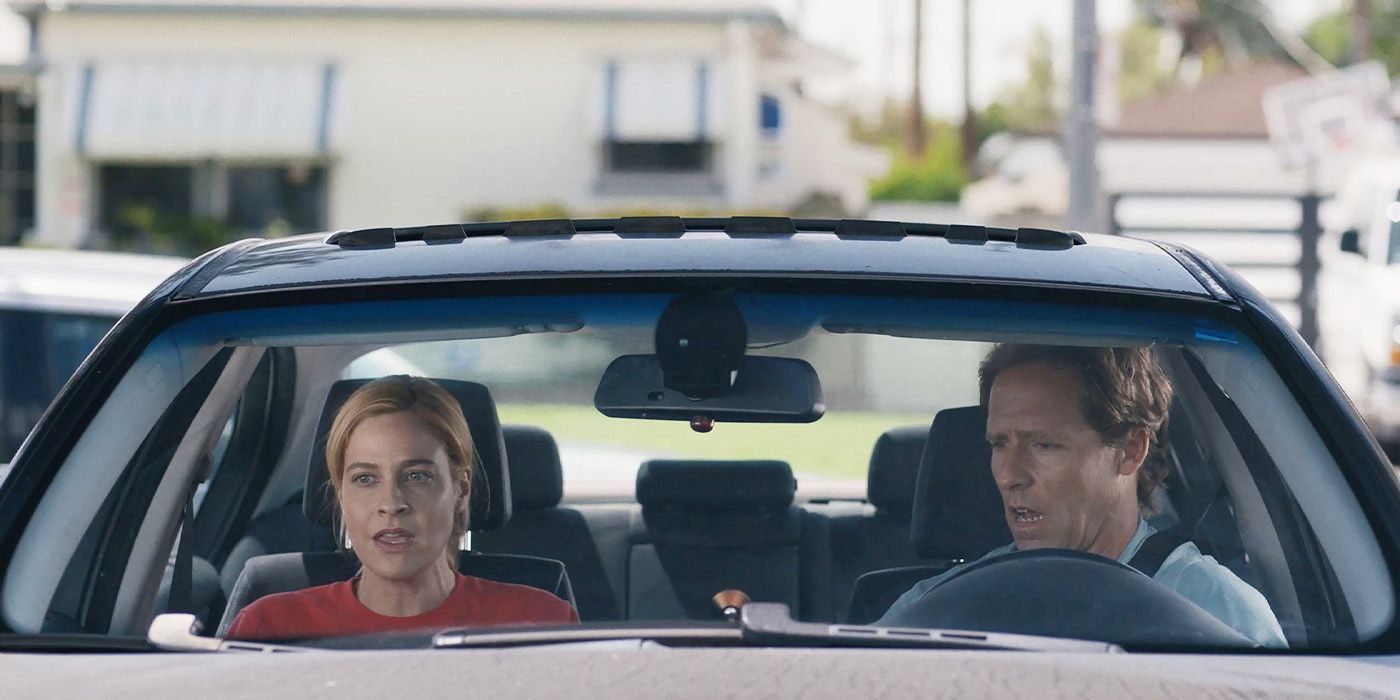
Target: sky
point(877, 35)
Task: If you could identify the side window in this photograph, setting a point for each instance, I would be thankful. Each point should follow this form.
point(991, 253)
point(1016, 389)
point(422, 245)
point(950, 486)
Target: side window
point(244, 457)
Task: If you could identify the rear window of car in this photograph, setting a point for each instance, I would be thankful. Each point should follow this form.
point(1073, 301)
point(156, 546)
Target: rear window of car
point(870, 384)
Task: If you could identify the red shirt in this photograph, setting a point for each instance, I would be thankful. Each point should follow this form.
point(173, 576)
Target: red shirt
point(333, 610)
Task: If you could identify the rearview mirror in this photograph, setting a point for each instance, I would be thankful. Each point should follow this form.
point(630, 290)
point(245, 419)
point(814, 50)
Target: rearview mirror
point(764, 390)
point(1351, 241)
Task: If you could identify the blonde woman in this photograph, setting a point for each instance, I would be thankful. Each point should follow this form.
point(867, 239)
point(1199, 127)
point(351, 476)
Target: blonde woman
point(399, 455)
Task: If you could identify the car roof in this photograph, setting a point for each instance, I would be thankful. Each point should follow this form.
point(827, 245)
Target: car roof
point(772, 247)
point(80, 282)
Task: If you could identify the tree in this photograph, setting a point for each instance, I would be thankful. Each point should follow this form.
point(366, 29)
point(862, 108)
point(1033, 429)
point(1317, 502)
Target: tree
point(1220, 34)
point(936, 176)
point(1034, 105)
point(1332, 36)
point(1140, 71)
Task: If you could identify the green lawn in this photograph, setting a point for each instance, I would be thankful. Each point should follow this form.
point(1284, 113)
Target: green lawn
point(837, 446)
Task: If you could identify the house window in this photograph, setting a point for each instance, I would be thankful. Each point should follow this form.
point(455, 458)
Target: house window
point(658, 156)
point(190, 208)
point(659, 117)
point(770, 115)
point(135, 199)
point(279, 198)
point(16, 165)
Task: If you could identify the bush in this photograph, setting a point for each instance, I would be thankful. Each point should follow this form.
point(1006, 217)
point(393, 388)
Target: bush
point(937, 177)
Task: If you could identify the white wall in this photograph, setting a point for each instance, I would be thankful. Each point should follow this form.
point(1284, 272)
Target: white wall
point(1224, 165)
point(435, 115)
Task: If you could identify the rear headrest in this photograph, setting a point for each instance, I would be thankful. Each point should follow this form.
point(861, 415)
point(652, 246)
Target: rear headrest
point(715, 485)
point(957, 508)
point(894, 469)
point(536, 476)
point(490, 500)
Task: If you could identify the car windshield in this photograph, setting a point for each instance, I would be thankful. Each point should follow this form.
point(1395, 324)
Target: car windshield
point(1105, 469)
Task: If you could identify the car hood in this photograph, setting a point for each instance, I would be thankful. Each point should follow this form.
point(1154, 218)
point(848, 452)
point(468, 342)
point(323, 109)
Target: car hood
point(642, 669)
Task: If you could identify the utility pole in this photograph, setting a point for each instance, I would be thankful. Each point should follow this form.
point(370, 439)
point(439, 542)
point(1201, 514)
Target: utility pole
point(1363, 40)
point(918, 138)
point(1081, 132)
point(969, 123)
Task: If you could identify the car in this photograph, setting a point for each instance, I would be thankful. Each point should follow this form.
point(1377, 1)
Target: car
point(1359, 294)
point(54, 307)
point(748, 373)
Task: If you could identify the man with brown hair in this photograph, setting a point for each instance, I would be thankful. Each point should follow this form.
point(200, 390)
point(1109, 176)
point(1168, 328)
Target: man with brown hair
point(1076, 436)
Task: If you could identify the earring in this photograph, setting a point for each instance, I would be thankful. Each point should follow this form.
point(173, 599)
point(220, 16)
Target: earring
point(348, 545)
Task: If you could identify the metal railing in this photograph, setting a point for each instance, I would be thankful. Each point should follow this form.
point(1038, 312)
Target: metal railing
point(1270, 238)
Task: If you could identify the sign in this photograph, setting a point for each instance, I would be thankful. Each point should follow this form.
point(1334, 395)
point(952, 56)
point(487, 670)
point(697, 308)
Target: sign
point(1318, 118)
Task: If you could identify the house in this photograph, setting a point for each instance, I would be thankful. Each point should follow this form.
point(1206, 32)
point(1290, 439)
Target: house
point(1194, 165)
point(266, 116)
point(17, 97)
point(1210, 137)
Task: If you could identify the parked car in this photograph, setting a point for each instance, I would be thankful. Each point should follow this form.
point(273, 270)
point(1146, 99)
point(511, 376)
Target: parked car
point(735, 357)
point(1359, 294)
point(54, 307)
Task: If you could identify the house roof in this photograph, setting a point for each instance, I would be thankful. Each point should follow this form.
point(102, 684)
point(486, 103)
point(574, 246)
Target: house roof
point(636, 9)
point(1229, 105)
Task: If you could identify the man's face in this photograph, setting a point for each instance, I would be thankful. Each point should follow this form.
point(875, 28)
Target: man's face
point(1061, 485)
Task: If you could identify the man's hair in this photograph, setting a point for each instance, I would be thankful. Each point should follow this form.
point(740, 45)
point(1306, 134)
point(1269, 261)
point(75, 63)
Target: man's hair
point(1122, 389)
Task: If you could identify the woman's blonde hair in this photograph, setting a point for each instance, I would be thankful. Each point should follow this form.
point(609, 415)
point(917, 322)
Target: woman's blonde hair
point(438, 411)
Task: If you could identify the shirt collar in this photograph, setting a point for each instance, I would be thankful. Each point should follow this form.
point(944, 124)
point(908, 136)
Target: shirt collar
point(1143, 532)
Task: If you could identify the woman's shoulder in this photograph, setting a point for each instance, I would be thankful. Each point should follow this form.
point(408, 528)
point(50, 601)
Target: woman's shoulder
point(305, 597)
point(518, 597)
point(268, 611)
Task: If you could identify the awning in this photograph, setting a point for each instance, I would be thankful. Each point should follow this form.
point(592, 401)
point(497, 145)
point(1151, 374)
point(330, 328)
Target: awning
point(174, 109)
point(661, 100)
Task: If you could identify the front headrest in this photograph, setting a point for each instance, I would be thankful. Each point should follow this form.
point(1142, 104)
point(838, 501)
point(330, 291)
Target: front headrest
point(536, 476)
point(715, 485)
point(490, 499)
point(894, 469)
point(958, 513)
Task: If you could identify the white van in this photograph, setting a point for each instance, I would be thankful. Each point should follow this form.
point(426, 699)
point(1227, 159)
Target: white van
point(1359, 293)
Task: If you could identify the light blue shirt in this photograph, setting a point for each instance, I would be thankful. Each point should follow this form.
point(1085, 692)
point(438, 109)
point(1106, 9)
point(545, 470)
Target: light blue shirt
point(1195, 576)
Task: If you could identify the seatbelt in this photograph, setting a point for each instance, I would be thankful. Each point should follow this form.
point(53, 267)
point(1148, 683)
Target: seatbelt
point(1155, 550)
point(181, 599)
point(181, 579)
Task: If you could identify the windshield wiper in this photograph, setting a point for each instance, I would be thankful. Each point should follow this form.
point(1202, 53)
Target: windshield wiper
point(180, 632)
point(771, 624)
point(758, 624)
point(703, 633)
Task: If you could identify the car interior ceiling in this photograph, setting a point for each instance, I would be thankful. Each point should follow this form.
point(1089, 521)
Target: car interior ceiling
point(658, 554)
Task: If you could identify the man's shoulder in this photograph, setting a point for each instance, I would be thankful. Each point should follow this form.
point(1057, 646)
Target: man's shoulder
point(1187, 562)
point(1221, 592)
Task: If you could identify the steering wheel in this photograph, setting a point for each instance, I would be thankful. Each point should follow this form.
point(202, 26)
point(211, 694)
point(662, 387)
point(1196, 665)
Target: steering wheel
point(1067, 593)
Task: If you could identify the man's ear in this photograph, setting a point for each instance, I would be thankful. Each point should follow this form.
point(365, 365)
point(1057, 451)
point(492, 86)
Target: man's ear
point(1134, 451)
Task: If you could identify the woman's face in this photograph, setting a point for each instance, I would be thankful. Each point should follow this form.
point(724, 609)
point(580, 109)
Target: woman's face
point(397, 496)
